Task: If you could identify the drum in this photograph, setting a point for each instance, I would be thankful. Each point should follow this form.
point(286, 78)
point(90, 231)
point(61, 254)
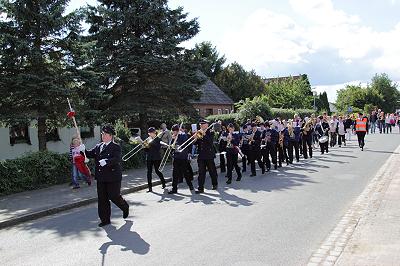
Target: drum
point(323, 139)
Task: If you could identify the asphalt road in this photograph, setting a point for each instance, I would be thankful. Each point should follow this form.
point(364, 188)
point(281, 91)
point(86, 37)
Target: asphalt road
point(273, 219)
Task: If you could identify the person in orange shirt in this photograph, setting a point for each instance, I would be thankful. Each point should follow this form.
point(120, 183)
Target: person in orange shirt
point(361, 129)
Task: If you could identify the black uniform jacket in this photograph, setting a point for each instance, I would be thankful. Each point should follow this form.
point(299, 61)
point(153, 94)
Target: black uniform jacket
point(205, 146)
point(112, 171)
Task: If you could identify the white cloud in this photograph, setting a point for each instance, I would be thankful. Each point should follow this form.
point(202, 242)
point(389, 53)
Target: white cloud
point(268, 40)
point(266, 37)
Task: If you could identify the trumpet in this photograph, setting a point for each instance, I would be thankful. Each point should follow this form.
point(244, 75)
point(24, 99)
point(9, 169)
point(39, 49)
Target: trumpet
point(198, 135)
point(143, 145)
point(169, 151)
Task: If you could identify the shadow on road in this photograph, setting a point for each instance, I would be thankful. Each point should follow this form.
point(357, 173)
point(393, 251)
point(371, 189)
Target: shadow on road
point(126, 238)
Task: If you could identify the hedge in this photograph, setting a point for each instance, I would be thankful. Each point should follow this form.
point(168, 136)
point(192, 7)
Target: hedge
point(33, 171)
point(37, 170)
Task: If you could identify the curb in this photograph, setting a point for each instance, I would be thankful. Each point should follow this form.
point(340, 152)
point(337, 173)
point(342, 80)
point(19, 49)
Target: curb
point(54, 210)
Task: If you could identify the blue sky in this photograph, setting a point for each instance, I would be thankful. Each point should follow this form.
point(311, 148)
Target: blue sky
point(335, 42)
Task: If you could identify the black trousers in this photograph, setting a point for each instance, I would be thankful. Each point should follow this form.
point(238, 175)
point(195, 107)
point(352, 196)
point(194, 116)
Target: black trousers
point(324, 147)
point(360, 137)
point(232, 162)
point(269, 150)
point(189, 172)
point(205, 165)
point(333, 139)
point(293, 145)
point(179, 172)
point(156, 164)
point(245, 158)
point(222, 163)
point(307, 142)
point(107, 191)
point(282, 155)
point(341, 138)
point(253, 156)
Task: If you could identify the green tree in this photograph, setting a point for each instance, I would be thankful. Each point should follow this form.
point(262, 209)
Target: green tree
point(289, 93)
point(358, 97)
point(384, 86)
point(140, 62)
point(41, 56)
point(208, 59)
point(323, 103)
point(238, 83)
point(250, 108)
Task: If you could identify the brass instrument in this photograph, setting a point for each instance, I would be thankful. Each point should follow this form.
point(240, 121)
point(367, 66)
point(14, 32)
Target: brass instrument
point(198, 135)
point(169, 151)
point(143, 145)
point(281, 136)
point(307, 126)
point(291, 130)
point(259, 119)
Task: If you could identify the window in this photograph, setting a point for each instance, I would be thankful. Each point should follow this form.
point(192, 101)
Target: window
point(209, 112)
point(19, 134)
point(87, 132)
point(219, 111)
point(198, 111)
point(226, 111)
point(52, 135)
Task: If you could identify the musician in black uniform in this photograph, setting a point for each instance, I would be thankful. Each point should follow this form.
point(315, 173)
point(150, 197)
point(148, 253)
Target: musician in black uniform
point(108, 173)
point(232, 152)
point(206, 157)
point(244, 146)
point(222, 147)
point(271, 138)
point(307, 135)
point(180, 162)
point(153, 157)
point(255, 150)
point(322, 129)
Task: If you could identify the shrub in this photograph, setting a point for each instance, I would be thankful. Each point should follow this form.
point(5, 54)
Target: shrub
point(34, 170)
point(122, 132)
point(226, 118)
point(250, 108)
point(136, 161)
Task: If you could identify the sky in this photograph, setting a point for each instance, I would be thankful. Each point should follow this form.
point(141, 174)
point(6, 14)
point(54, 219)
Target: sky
point(334, 42)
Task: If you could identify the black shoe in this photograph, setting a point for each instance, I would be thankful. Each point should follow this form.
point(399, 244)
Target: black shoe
point(275, 167)
point(125, 213)
point(229, 181)
point(150, 190)
point(172, 192)
point(214, 187)
point(191, 187)
point(263, 171)
point(268, 169)
point(253, 175)
point(239, 178)
point(362, 148)
point(199, 191)
point(163, 185)
point(104, 223)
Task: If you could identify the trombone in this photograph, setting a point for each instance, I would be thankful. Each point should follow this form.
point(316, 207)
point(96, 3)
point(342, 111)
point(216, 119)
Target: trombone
point(198, 135)
point(168, 151)
point(144, 144)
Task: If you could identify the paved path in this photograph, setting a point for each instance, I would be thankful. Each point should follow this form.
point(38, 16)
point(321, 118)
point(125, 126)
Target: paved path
point(33, 204)
point(275, 219)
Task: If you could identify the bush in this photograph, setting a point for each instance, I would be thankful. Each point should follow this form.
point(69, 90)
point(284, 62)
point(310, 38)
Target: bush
point(225, 118)
point(136, 161)
point(250, 108)
point(33, 171)
point(289, 113)
point(122, 132)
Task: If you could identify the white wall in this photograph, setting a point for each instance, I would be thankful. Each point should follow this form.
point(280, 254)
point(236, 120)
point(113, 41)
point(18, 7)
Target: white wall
point(10, 152)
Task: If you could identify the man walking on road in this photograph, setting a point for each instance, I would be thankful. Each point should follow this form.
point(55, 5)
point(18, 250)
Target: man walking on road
point(107, 156)
point(361, 130)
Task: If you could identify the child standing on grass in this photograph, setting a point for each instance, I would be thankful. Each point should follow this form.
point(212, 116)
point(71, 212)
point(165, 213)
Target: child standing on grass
point(79, 168)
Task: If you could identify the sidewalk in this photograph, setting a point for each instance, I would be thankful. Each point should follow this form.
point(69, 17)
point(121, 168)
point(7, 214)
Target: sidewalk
point(368, 234)
point(376, 239)
point(29, 205)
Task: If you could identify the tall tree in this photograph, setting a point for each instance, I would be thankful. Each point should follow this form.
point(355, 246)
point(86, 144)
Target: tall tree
point(208, 59)
point(139, 59)
point(290, 93)
point(39, 66)
point(383, 85)
point(238, 83)
point(324, 103)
